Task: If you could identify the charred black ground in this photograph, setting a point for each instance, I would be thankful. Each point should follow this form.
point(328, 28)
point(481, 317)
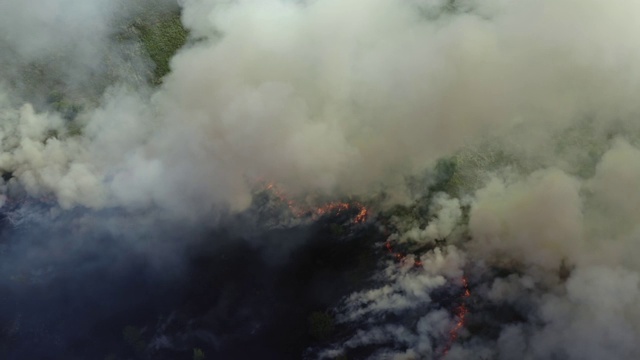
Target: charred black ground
point(264, 295)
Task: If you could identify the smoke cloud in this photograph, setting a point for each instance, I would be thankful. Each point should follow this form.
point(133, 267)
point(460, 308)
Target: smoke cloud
point(527, 248)
point(334, 97)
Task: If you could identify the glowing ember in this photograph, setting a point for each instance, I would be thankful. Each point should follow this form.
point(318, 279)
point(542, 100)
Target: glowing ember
point(362, 216)
point(461, 312)
point(317, 212)
point(332, 207)
point(339, 207)
point(295, 209)
point(400, 256)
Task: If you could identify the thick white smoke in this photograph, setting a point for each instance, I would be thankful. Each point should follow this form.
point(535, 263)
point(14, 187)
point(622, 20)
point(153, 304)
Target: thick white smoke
point(572, 246)
point(349, 97)
point(334, 96)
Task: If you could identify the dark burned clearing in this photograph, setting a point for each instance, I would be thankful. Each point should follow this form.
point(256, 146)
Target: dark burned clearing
point(263, 293)
point(238, 298)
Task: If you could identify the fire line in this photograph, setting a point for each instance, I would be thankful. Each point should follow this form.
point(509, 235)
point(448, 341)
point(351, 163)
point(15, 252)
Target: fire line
point(334, 207)
point(461, 310)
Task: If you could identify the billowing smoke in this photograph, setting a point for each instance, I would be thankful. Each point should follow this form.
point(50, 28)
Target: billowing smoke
point(327, 96)
point(496, 141)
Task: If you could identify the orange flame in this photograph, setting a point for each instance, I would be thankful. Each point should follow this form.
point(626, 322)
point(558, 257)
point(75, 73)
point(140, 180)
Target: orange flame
point(334, 207)
point(461, 313)
point(400, 256)
point(293, 207)
point(338, 207)
point(362, 216)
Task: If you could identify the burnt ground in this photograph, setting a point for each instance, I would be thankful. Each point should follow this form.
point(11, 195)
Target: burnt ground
point(232, 296)
point(236, 291)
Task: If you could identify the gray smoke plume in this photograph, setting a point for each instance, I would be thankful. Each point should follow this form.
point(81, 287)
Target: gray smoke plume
point(534, 102)
point(331, 96)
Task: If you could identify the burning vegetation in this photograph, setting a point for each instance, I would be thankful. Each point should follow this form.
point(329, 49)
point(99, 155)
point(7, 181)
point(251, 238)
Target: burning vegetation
point(460, 314)
point(500, 213)
point(356, 210)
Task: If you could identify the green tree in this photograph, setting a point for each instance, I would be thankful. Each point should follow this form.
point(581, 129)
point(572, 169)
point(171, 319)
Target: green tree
point(161, 40)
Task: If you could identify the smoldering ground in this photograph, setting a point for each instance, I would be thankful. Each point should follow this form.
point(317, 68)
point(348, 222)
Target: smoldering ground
point(78, 288)
point(498, 141)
